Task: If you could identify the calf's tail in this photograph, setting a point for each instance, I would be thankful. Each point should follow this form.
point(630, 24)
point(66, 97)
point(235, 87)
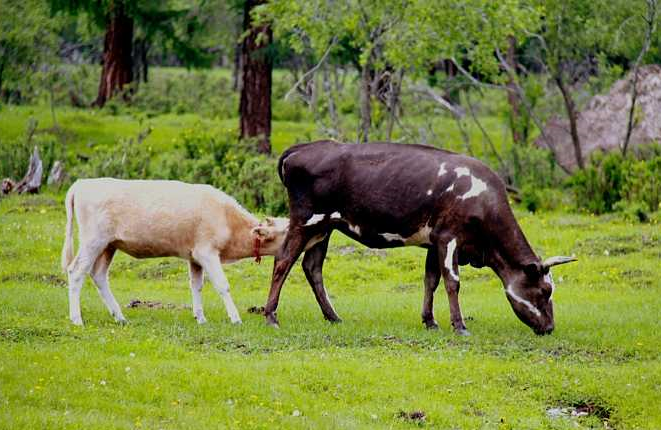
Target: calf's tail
point(67, 249)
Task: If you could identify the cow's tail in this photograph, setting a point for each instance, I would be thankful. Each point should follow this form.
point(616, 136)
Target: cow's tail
point(281, 161)
point(67, 249)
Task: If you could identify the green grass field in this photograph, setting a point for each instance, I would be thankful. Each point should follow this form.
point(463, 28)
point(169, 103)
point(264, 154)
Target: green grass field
point(163, 371)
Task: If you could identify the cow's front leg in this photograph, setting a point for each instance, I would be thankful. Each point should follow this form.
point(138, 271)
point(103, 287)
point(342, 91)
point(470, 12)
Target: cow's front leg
point(282, 264)
point(313, 262)
point(450, 268)
point(432, 278)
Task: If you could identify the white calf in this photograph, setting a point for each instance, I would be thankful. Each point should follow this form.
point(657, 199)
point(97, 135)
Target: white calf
point(148, 219)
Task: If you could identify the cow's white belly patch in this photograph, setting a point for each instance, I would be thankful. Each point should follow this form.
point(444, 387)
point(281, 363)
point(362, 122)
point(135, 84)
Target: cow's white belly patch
point(421, 237)
point(314, 219)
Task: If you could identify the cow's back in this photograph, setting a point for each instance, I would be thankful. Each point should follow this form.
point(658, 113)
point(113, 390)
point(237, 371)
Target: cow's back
point(391, 184)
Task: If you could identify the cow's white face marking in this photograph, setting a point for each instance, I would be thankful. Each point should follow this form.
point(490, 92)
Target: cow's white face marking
point(462, 171)
point(510, 292)
point(429, 192)
point(549, 280)
point(441, 170)
point(355, 229)
point(314, 219)
point(478, 186)
point(336, 215)
point(449, 259)
point(450, 188)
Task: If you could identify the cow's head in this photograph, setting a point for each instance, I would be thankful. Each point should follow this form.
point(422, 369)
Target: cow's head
point(270, 234)
point(530, 293)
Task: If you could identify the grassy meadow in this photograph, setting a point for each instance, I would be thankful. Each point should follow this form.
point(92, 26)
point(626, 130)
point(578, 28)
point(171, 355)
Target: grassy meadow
point(378, 369)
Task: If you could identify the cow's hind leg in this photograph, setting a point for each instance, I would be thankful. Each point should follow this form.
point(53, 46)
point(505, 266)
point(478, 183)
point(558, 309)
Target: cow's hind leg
point(196, 275)
point(313, 262)
point(432, 278)
point(447, 252)
point(210, 262)
point(79, 267)
point(100, 277)
point(284, 260)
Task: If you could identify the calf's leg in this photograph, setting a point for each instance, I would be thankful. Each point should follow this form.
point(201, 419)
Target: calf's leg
point(210, 262)
point(196, 276)
point(284, 260)
point(447, 252)
point(100, 277)
point(432, 278)
point(79, 267)
point(313, 262)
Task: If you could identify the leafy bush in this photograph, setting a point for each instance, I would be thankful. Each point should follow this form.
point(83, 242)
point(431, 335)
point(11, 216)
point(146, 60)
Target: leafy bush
point(612, 182)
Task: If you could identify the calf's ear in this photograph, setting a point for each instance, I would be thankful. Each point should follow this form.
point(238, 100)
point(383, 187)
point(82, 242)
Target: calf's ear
point(554, 261)
point(262, 232)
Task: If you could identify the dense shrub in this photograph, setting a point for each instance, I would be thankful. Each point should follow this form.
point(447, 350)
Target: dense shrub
point(612, 182)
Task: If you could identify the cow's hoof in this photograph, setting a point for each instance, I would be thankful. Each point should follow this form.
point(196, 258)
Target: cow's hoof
point(77, 321)
point(237, 322)
point(462, 332)
point(334, 320)
point(121, 321)
point(272, 320)
point(431, 325)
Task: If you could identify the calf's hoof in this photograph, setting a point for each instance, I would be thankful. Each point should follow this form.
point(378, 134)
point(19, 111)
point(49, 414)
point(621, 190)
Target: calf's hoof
point(334, 320)
point(237, 322)
point(272, 320)
point(77, 321)
point(462, 332)
point(121, 321)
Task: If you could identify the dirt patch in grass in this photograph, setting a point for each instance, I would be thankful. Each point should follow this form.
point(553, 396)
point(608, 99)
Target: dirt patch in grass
point(638, 278)
point(588, 412)
point(27, 334)
point(149, 304)
point(415, 417)
point(161, 270)
point(618, 245)
point(40, 278)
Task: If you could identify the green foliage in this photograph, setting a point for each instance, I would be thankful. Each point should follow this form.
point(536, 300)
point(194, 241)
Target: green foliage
point(612, 182)
point(27, 41)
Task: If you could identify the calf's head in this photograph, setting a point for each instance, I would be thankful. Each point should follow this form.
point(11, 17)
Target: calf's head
point(270, 234)
point(530, 292)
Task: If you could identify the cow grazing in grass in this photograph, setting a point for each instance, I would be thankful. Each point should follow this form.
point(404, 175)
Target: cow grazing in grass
point(147, 219)
point(388, 195)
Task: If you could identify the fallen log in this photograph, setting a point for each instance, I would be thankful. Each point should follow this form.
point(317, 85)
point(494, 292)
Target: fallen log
point(31, 182)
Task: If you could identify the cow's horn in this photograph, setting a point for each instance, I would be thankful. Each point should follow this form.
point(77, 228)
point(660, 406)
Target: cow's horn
point(554, 261)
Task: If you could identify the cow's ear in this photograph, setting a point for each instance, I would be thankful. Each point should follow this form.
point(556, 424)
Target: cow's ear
point(533, 269)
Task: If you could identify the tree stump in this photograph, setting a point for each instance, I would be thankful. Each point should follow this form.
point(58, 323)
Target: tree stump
point(31, 182)
point(57, 174)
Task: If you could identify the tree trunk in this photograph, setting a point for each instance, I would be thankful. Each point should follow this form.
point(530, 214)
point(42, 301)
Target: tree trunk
point(236, 75)
point(117, 55)
point(571, 114)
point(512, 95)
point(365, 102)
point(257, 65)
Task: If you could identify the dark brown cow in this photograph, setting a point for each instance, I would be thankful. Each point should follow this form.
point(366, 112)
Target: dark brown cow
point(387, 195)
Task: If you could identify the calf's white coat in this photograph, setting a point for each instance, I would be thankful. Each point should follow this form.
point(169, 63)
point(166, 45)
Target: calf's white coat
point(147, 219)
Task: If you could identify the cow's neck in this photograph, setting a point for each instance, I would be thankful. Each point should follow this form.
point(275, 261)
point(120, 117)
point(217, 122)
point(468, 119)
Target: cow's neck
point(241, 244)
point(509, 257)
